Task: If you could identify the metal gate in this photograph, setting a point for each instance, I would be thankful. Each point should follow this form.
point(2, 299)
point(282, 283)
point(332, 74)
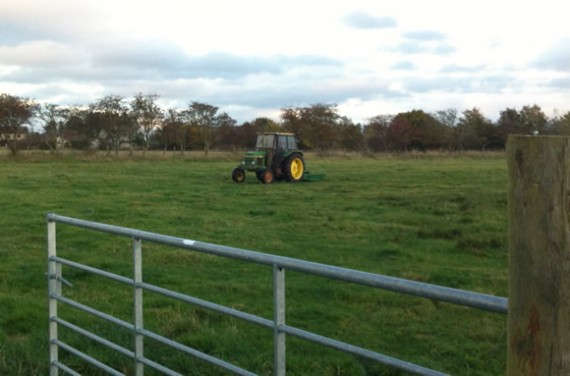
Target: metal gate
point(277, 324)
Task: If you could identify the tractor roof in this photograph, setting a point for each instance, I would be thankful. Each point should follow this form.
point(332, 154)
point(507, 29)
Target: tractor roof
point(276, 133)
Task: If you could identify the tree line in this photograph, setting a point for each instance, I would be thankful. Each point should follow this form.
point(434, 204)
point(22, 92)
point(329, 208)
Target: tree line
point(113, 122)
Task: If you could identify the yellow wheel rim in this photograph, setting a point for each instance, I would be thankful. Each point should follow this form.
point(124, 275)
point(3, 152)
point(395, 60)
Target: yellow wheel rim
point(296, 168)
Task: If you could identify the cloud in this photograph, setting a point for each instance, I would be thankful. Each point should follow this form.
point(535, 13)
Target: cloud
point(168, 61)
point(59, 20)
point(139, 60)
point(556, 57)
point(416, 47)
point(463, 83)
point(404, 65)
point(560, 83)
point(424, 35)
point(38, 54)
point(424, 42)
point(363, 20)
point(289, 53)
point(454, 68)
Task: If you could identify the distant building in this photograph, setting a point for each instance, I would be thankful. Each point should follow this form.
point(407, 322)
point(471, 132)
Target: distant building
point(21, 135)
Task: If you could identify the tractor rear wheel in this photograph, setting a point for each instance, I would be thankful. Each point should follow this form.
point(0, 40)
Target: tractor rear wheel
point(294, 168)
point(238, 175)
point(266, 176)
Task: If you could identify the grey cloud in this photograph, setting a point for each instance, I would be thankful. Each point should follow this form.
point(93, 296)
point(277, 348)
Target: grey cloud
point(560, 83)
point(415, 47)
point(144, 60)
point(424, 41)
point(424, 35)
point(557, 57)
point(404, 65)
point(467, 83)
point(12, 33)
point(271, 91)
point(227, 65)
point(362, 20)
point(169, 61)
point(76, 21)
point(462, 69)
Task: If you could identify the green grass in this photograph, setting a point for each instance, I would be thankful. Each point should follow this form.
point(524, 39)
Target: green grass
point(435, 219)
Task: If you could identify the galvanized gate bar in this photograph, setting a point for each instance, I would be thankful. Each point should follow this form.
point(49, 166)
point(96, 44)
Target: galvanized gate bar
point(280, 329)
point(96, 313)
point(115, 347)
point(65, 368)
point(209, 305)
point(159, 367)
point(96, 338)
point(198, 354)
point(92, 270)
point(359, 351)
point(425, 290)
point(88, 359)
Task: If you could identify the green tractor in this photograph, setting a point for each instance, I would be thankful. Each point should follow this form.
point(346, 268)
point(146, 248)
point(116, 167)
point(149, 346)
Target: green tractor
point(276, 157)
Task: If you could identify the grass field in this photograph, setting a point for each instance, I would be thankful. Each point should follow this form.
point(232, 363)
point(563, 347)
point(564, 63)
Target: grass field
point(433, 218)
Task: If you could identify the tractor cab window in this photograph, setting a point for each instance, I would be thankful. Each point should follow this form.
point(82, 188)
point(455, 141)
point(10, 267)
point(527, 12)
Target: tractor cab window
point(282, 143)
point(292, 142)
point(265, 141)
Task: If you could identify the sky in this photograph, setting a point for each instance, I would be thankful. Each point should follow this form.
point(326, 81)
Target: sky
point(251, 58)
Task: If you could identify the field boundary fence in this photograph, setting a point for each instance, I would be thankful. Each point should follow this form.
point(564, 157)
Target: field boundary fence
point(277, 323)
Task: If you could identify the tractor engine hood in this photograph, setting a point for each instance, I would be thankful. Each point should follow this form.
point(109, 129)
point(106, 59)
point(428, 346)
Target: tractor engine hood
point(254, 159)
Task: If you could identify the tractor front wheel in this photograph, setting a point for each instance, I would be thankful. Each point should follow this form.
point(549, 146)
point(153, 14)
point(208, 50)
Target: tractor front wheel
point(238, 175)
point(294, 168)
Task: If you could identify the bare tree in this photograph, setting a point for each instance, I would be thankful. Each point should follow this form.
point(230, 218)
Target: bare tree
point(174, 130)
point(203, 117)
point(55, 119)
point(147, 114)
point(117, 125)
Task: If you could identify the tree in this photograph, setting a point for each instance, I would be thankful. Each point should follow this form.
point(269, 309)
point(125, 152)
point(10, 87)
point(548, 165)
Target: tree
point(533, 119)
point(203, 117)
point(401, 133)
point(323, 125)
point(55, 119)
point(375, 132)
point(529, 120)
point(112, 115)
point(430, 133)
point(447, 117)
point(263, 124)
point(474, 131)
point(77, 132)
point(226, 131)
point(292, 122)
point(418, 130)
point(315, 126)
point(561, 124)
point(351, 136)
point(174, 131)
point(147, 114)
point(14, 113)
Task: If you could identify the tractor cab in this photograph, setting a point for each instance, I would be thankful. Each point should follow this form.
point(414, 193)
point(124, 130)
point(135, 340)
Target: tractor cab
point(276, 141)
point(276, 156)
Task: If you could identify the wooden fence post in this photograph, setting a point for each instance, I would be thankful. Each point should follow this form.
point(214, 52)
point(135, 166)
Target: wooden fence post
point(539, 256)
